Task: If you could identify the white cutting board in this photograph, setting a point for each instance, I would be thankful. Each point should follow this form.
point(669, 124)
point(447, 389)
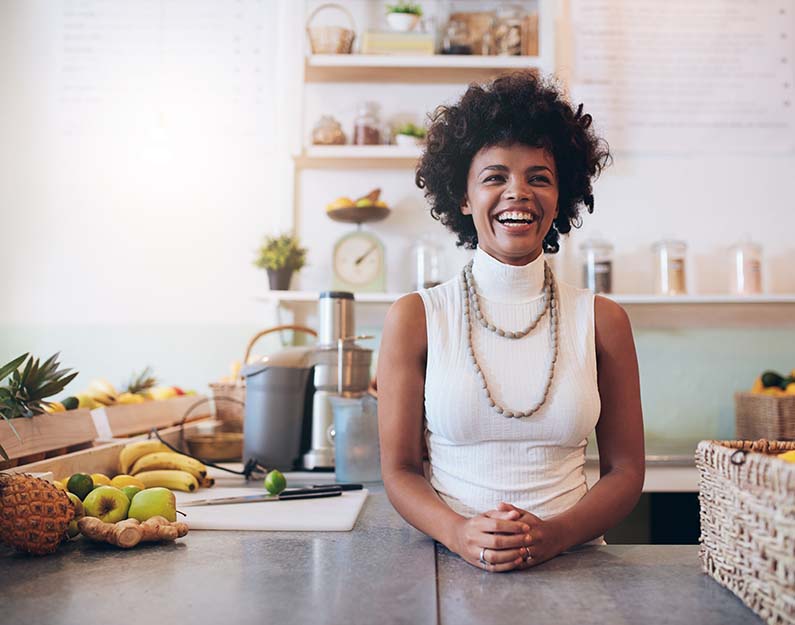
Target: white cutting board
point(327, 514)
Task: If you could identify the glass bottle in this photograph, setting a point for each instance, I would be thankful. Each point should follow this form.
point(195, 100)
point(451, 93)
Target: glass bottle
point(597, 269)
point(366, 126)
point(669, 262)
point(746, 273)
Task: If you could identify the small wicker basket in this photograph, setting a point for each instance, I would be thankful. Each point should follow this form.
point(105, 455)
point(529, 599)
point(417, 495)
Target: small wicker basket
point(230, 397)
point(764, 416)
point(747, 499)
point(331, 39)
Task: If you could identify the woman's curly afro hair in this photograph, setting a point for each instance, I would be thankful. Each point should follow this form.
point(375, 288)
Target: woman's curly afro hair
point(516, 108)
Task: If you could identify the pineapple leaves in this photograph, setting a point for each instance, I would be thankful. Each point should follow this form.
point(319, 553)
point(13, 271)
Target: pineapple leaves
point(6, 369)
point(26, 391)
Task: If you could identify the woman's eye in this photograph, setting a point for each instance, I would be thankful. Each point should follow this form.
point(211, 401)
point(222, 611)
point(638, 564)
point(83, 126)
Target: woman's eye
point(542, 179)
point(495, 177)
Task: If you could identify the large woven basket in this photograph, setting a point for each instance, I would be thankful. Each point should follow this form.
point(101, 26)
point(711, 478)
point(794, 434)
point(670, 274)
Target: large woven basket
point(747, 498)
point(764, 416)
point(331, 39)
point(230, 398)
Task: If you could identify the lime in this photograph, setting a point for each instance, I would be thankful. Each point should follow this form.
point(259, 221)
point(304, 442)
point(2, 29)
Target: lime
point(130, 491)
point(80, 484)
point(275, 482)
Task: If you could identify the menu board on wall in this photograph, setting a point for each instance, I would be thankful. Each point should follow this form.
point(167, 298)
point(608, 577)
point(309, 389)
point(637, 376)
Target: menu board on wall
point(687, 76)
point(149, 65)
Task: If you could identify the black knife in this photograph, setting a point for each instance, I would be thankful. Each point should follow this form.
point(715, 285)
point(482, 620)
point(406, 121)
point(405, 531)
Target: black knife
point(299, 493)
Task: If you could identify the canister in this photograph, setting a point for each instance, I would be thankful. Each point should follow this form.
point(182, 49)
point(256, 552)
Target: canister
point(745, 276)
point(597, 265)
point(669, 267)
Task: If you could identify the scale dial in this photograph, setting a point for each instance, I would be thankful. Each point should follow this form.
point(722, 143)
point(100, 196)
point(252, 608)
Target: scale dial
point(358, 262)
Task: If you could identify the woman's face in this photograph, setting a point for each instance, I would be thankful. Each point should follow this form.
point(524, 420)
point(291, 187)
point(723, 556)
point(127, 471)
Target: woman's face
point(512, 195)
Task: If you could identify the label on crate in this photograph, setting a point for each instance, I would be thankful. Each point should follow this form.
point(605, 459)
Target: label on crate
point(101, 423)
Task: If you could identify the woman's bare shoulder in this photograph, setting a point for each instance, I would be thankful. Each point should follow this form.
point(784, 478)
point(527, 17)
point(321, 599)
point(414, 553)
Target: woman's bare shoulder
point(405, 322)
point(610, 321)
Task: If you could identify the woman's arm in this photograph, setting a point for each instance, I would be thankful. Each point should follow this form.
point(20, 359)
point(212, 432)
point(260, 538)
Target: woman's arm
point(619, 432)
point(401, 391)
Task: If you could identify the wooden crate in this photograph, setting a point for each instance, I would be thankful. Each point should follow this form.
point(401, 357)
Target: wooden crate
point(100, 459)
point(133, 419)
point(46, 435)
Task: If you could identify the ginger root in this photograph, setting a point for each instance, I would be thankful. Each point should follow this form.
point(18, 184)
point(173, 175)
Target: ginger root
point(130, 532)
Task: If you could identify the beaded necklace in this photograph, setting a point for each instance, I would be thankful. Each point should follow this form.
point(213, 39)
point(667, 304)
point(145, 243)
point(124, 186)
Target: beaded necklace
point(471, 303)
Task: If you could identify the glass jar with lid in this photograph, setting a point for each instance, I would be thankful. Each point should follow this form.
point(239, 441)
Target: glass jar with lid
point(745, 277)
point(669, 267)
point(597, 268)
point(328, 131)
point(426, 264)
point(367, 126)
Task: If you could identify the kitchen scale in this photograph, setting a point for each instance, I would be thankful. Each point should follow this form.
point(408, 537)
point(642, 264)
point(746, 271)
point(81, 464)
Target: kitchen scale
point(358, 258)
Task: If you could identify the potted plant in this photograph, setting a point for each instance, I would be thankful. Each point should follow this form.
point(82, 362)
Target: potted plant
point(280, 256)
point(409, 134)
point(403, 16)
point(28, 384)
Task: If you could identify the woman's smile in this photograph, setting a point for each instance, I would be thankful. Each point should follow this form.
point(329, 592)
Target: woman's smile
point(512, 195)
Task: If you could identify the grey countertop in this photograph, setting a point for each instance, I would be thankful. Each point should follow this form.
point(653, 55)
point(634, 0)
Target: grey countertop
point(659, 452)
point(382, 572)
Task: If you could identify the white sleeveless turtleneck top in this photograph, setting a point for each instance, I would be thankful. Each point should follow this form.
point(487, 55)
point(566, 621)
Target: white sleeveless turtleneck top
point(477, 457)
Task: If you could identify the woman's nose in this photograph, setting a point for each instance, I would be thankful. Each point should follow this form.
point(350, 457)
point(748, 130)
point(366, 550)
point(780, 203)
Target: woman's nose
point(518, 190)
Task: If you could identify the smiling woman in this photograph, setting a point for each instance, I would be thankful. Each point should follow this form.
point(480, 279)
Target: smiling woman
point(490, 384)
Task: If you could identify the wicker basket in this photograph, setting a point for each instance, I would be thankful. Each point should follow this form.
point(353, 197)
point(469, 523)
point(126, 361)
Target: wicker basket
point(230, 398)
point(331, 39)
point(747, 499)
point(764, 416)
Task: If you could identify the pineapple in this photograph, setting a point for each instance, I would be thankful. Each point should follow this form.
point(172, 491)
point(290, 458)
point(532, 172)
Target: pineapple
point(28, 387)
point(34, 514)
point(140, 384)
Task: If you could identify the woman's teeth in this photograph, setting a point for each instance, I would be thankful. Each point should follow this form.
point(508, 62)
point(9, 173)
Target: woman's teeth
point(516, 218)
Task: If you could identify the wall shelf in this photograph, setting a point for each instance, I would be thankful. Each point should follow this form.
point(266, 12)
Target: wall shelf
point(629, 300)
point(645, 311)
point(358, 156)
point(413, 69)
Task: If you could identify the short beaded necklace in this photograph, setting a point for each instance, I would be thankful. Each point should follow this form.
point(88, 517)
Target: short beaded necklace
point(472, 308)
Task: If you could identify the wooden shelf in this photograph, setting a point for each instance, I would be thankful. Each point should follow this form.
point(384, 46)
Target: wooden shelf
point(414, 69)
point(358, 156)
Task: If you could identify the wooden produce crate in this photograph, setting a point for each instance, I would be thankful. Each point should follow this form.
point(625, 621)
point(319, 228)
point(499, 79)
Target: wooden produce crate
point(46, 435)
point(133, 419)
point(100, 459)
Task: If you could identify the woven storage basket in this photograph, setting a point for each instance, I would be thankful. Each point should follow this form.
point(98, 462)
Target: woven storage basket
point(230, 398)
point(764, 416)
point(331, 39)
point(747, 499)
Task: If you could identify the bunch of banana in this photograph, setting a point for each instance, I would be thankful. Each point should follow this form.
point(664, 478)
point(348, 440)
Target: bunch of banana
point(155, 464)
point(169, 460)
point(173, 479)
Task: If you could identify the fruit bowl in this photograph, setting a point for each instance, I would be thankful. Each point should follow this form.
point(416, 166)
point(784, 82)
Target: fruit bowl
point(358, 214)
point(364, 209)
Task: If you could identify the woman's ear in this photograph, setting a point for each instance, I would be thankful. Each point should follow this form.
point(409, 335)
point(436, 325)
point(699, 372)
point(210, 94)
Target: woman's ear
point(466, 209)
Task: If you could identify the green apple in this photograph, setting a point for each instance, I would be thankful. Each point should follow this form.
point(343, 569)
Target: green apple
point(130, 491)
point(156, 501)
point(365, 202)
point(107, 503)
point(73, 530)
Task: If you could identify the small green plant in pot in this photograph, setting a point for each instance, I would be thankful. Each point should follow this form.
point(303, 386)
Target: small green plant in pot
point(403, 16)
point(280, 256)
point(409, 134)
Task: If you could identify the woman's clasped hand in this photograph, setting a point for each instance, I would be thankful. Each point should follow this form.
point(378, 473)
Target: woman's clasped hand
point(506, 539)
